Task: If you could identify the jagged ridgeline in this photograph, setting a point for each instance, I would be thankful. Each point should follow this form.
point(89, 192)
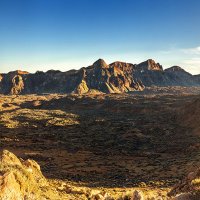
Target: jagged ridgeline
point(117, 77)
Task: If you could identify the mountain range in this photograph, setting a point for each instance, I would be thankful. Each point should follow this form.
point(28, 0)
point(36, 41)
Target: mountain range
point(117, 77)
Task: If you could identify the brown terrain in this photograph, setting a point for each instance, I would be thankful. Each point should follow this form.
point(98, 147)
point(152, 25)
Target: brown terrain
point(102, 146)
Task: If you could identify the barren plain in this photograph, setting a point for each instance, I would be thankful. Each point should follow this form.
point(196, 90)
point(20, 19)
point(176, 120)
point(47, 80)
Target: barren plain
point(110, 142)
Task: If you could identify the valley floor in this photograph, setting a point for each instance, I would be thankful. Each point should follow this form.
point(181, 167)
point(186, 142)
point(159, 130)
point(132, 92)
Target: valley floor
point(102, 141)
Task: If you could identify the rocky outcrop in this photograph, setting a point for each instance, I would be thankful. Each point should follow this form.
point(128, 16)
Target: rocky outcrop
point(13, 82)
point(150, 65)
point(117, 77)
point(21, 179)
point(188, 188)
point(176, 75)
point(152, 74)
point(18, 178)
point(114, 78)
point(82, 88)
point(17, 85)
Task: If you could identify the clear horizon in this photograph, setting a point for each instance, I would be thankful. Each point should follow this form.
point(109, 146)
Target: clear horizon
point(65, 34)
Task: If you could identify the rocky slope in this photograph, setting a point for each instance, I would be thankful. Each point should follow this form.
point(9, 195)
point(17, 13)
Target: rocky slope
point(117, 77)
point(20, 180)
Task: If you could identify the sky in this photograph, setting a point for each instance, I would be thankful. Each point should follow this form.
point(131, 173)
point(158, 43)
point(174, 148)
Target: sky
point(70, 34)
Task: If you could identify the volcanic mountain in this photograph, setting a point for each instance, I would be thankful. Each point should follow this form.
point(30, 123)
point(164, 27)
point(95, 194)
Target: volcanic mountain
point(117, 77)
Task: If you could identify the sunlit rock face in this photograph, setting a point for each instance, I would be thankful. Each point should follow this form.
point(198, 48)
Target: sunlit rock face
point(150, 65)
point(19, 179)
point(13, 82)
point(114, 78)
point(117, 77)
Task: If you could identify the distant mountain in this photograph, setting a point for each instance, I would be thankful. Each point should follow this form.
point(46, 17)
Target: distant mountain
point(179, 76)
point(117, 77)
point(152, 74)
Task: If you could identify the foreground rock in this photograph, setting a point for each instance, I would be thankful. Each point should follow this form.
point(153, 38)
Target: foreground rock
point(22, 180)
point(188, 188)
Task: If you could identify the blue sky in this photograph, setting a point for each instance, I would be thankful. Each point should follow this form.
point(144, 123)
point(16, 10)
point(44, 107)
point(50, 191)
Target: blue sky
point(65, 34)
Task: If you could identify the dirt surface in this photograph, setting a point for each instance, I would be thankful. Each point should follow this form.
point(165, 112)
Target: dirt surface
point(118, 140)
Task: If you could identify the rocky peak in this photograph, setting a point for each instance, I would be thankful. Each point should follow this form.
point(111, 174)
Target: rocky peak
point(8, 158)
point(175, 69)
point(100, 63)
point(150, 65)
point(53, 71)
point(122, 65)
point(178, 71)
point(115, 77)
